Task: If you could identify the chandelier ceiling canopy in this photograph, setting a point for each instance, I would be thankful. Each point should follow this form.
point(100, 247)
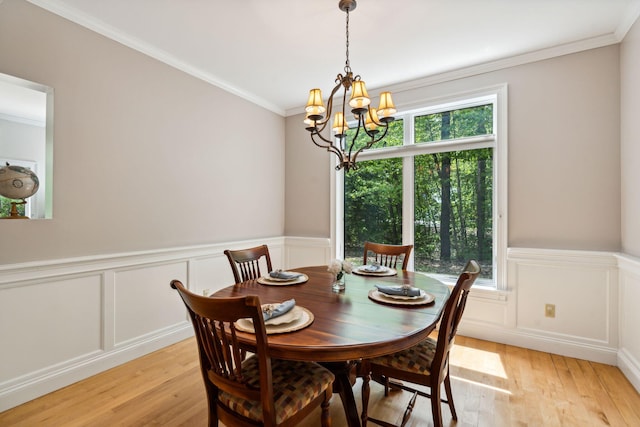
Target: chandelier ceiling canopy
point(369, 121)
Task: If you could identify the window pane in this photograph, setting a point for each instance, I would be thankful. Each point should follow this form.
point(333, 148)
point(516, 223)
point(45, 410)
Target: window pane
point(453, 211)
point(473, 121)
point(394, 136)
point(372, 206)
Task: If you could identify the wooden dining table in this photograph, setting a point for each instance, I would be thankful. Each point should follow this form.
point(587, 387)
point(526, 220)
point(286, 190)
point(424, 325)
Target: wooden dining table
point(347, 325)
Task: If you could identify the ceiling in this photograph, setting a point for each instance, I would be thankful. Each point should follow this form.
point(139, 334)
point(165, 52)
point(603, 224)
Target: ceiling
point(272, 52)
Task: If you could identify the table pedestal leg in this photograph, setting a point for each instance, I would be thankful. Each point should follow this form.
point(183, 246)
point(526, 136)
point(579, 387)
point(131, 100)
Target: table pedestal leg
point(345, 373)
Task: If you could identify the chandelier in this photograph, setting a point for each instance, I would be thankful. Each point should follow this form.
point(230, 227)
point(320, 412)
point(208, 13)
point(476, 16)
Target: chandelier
point(372, 122)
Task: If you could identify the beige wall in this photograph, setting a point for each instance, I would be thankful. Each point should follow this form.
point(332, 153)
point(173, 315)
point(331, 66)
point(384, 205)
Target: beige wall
point(564, 155)
point(630, 140)
point(145, 155)
point(307, 184)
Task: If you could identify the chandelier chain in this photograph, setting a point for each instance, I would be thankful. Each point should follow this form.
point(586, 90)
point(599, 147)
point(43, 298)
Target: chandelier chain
point(347, 64)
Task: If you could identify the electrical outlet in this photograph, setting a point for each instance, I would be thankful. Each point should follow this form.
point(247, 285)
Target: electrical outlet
point(550, 310)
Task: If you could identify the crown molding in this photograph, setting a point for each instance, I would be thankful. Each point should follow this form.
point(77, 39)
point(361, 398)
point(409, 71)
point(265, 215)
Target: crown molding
point(487, 67)
point(113, 33)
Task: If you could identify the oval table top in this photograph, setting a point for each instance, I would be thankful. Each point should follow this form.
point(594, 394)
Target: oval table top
point(347, 325)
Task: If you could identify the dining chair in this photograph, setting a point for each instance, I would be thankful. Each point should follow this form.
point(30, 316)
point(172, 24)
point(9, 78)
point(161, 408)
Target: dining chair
point(387, 255)
point(426, 363)
point(258, 390)
point(245, 263)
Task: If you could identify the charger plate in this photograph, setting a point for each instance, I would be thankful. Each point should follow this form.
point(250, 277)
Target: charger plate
point(302, 319)
point(378, 296)
point(269, 281)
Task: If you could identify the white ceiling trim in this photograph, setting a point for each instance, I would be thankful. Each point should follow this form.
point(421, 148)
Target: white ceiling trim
point(100, 27)
point(149, 50)
point(460, 73)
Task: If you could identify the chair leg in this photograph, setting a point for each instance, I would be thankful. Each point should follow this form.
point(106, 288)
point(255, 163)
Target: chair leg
point(447, 389)
point(325, 416)
point(436, 407)
point(366, 391)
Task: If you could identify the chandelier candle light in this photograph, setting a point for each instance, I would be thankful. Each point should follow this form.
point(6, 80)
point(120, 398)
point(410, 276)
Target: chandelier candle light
point(373, 122)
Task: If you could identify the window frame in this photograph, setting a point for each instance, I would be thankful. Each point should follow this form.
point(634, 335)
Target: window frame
point(497, 95)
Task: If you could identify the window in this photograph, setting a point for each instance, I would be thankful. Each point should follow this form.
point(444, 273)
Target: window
point(437, 183)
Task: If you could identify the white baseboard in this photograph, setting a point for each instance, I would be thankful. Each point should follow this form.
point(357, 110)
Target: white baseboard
point(35, 385)
point(548, 344)
point(629, 367)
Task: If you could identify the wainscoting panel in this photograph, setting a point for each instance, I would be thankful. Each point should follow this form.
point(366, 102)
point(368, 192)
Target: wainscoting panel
point(65, 320)
point(583, 288)
point(302, 252)
point(209, 274)
point(629, 353)
point(93, 313)
point(47, 324)
point(144, 302)
point(485, 311)
point(584, 293)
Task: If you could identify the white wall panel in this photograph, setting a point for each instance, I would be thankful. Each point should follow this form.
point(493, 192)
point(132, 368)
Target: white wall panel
point(307, 251)
point(144, 301)
point(629, 354)
point(209, 274)
point(43, 325)
point(484, 311)
point(64, 320)
point(581, 294)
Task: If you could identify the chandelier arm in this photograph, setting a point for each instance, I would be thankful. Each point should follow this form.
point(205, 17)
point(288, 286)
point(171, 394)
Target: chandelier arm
point(330, 146)
point(328, 142)
point(329, 112)
point(355, 155)
point(375, 140)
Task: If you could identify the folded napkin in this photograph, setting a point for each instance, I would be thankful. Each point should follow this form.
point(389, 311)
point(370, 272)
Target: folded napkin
point(399, 290)
point(269, 311)
point(285, 275)
point(374, 268)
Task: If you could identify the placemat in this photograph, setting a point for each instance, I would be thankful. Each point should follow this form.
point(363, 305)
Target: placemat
point(305, 319)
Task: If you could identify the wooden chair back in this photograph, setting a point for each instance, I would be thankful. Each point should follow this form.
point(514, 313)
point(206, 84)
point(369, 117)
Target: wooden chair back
point(387, 255)
point(245, 263)
point(451, 318)
point(221, 354)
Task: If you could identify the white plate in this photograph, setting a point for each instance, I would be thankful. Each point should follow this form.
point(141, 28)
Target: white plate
point(266, 280)
point(363, 272)
point(304, 320)
point(280, 279)
point(288, 317)
point(374, 269)
point(376, 295)
point(404, 297)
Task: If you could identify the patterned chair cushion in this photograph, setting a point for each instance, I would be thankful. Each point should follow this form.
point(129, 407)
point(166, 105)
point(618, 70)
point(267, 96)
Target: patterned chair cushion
point(295, 384)
point(416, 359)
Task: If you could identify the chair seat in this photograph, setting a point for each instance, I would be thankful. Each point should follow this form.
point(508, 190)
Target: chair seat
point(295, 384)
point(417, 359)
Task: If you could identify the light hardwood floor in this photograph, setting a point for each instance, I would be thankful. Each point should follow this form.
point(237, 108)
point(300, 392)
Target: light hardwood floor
point(494, 385)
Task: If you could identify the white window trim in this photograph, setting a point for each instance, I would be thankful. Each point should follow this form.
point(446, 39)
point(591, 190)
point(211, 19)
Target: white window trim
point(497, 95)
